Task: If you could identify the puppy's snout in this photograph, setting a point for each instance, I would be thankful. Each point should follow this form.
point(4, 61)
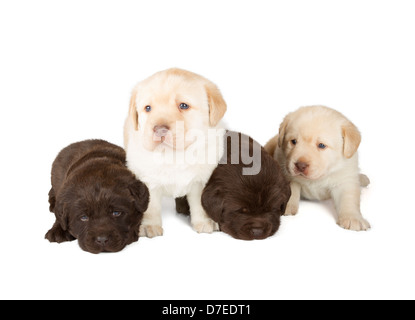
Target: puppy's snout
point(257, 232)
point(101, 240)
point(302, 166)
point(161, 131)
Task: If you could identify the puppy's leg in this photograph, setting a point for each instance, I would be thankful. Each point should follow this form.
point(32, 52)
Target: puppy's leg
point(198, 217)
point(57, 234)
point(294, 202)
point(347, 202)
point(52, 200)
point(182, 206)
point(151, 224)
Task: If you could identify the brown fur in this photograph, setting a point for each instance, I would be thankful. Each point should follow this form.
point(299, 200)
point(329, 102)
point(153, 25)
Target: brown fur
point(246, 207)
point(90, 179)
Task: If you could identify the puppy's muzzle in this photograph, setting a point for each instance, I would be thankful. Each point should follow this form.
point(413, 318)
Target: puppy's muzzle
point(101, 241)
point(257, 230)
point(161, 131)
point(301, 166)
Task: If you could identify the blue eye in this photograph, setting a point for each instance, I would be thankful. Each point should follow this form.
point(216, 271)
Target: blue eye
point(322, 146)
point(184, 106)
point(84, 218)
point(148, 108)
point(116, 213)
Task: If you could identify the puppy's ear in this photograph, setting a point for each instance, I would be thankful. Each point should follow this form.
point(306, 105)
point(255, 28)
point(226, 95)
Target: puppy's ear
point(281, 134)
point(132, 113)
point(271, 145)
point(61, 214)
point(132, 119)
point(351, 139)
point(141, 196)
point(217, 105)
point(212, 202)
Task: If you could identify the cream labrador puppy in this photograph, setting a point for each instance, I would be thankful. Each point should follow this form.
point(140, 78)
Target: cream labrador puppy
point(173, 142)
point(317, 147)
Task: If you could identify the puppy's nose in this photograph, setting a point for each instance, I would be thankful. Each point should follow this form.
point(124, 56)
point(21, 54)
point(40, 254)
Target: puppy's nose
point(161, 131)
point(257, 232)
point(301, 166)
point(101, 240)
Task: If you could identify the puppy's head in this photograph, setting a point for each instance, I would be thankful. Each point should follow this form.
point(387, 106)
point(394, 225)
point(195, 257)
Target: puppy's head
point(103, 216)
point(166, 106)
point(247, 207)
point(315, 141)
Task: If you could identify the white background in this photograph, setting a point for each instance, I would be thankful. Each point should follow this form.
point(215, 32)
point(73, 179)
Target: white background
point(67, 69)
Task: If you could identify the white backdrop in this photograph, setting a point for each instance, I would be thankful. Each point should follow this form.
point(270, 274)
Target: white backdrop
point(66, 73)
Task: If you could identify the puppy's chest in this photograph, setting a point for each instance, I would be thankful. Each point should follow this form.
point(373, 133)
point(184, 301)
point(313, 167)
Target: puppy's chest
point(174, 179)
point(315, 191)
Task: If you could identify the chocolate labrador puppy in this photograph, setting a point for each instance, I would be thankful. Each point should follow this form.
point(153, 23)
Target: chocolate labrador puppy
point(247, 193)
point(95, 198)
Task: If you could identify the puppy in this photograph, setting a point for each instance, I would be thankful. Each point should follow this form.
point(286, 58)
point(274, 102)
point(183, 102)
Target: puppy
point(95, 198)
point(246, 206)
point(317, 148)
point(173, 142)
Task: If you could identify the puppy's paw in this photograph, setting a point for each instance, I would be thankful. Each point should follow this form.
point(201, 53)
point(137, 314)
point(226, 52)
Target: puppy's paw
point(355, 223)
point(150, 231)
point(207, 226)
point(57, 234)
point(292, 209)
point(182, 206)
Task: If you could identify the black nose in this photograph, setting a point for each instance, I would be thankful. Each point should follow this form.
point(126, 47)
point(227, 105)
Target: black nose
point(101, 240)
point(257, 232)
point(161, 131)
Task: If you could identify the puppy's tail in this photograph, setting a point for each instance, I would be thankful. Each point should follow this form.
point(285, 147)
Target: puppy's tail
point(271, 145)
point(364, 180)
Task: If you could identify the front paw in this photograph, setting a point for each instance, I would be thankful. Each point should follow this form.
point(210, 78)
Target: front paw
point(150, 231)
point(206, 226)
point(354, 222)
point(57, 234)
point(292, 209)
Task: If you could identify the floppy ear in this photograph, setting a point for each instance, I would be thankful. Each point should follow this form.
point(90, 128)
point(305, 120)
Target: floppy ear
point(212, 202)
point(132, 113)
point(271, 145)
point(141, 196)
point(61, 214)
point(281, 134)
point(132, 118)
point(351, 139)
point(217, 105)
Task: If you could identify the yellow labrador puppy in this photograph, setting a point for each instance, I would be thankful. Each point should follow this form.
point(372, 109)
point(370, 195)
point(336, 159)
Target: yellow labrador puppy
point(317, 147)
point(172, 118)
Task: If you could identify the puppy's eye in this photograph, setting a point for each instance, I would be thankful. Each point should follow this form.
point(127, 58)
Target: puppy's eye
point(84, 218)
point(116, 214)
point(294, 142)
point(322, 146)
point(184, 106)
point(147, 108)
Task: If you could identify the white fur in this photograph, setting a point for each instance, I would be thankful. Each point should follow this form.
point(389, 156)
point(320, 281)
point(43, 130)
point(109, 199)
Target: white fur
point(175, 179)
point(180, 163)
point(333, 172)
